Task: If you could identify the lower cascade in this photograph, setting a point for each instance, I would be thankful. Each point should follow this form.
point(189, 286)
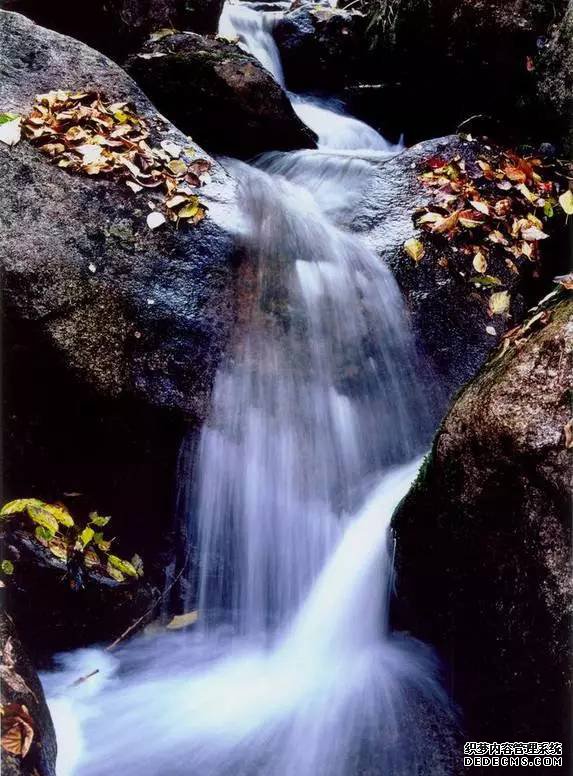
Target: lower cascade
point(320, 412)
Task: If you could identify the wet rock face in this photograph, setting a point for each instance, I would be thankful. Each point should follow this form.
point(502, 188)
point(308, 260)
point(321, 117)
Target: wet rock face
point(119, 26)
point(449, 315)
point(484, 537)
point(21, 688)
point(319, 48)
point(136, 312)
point(555, 80)
point(220, 95)
point(112, 333)
point(451, 59)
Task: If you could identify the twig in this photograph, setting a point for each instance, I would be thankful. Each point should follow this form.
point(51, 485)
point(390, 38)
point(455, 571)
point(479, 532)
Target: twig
point(83, 679)
point(162, 595)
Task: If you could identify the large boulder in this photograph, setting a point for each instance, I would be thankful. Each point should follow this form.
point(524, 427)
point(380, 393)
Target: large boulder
point(483, 539)
point(112, 332)
point(25, 712)
point(219, 94)
point(450, 309)
point(119, 26)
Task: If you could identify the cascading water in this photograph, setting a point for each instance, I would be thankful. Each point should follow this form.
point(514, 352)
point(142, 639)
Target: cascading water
point(292, 670)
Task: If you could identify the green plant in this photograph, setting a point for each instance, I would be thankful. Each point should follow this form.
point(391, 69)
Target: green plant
point(55, 528)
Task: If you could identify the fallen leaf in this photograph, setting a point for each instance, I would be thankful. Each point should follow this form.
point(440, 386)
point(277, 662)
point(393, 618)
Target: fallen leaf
point(568, 432)
point(481, 207)
point(499, 302)
point(183, 620)
point(566, 202)
point(11, 132)
point(164, 32)
point(479, 262)
point(532, 233)
point(155, 219)
point(17, 729)
point(565, 280)
point(414, 249)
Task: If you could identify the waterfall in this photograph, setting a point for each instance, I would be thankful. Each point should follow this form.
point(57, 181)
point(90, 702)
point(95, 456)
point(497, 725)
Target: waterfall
point(320, 412)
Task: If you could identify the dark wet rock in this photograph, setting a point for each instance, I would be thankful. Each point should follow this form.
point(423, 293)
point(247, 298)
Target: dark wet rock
point(201, 16)
point(135, 312)
point(220, 95)
point(449, 314)
point(117, 27)
point(554, 75)
point(111, 332)
point(21, 687)
point(455, 58)
point(58, 606)
point(483, 541)
point(319, 48)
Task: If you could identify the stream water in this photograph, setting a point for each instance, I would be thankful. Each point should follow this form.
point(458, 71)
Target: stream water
point(318, 420)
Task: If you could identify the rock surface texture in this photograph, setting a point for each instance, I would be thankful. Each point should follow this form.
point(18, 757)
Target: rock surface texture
point(484, 540)
point(112, 332)
point(449, 314)
point(24, 705)
point(220, 95)
point(119, 26)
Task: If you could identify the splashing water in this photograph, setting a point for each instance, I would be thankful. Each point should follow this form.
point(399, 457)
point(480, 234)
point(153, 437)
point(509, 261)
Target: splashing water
point(292, 670)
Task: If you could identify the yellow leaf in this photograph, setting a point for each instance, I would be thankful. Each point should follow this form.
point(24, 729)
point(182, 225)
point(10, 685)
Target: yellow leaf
point(499, 302)
point(121, 565)
point(183, 620)
point(414, 249)
point(42, 517)
point(480, 262)
point(60, 513)
point(19, 505)
point(566, 202)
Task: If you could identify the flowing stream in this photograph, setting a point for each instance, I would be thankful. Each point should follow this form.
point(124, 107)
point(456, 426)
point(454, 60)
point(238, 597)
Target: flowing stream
point(320, 413)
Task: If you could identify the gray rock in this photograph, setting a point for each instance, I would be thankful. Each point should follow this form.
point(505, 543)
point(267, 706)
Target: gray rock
point(133, 312)
point(219, 94)
point(483, 541)
point(21, 687)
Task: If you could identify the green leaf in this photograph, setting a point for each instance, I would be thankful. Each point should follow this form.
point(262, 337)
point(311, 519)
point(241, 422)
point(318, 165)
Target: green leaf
point(5, 117)
point(122, 565)
point(7, 567)
point(86, 536)
point(486, 280)
point(100, 542)
point(19, 505)
point(42, 517)
point(60, 513)
point(548, 209)
point(43, 534)
point(98, 519)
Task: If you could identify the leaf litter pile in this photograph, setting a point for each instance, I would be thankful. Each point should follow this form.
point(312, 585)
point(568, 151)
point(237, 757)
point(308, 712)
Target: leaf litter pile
point(487, 215)
point(82, 133)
